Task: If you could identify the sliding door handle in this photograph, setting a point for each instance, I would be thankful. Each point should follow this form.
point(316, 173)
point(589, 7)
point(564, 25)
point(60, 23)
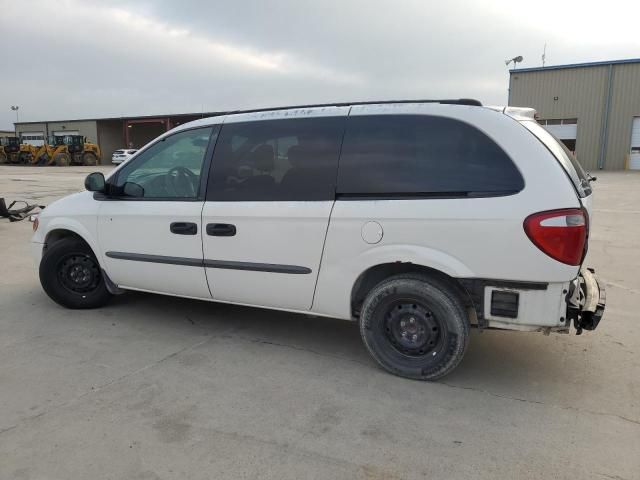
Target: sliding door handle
point(184, 228)
point(221, 229)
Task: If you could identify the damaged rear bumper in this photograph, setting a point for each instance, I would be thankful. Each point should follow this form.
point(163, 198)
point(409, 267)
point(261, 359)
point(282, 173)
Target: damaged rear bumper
point(586, 301)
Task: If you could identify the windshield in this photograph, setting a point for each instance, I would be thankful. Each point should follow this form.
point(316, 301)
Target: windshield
point(569, 162)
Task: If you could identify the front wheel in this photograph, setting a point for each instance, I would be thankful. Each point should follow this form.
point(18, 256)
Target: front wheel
point(415, 326)
point(62, 160)
point(71, 276)
point(89, 159)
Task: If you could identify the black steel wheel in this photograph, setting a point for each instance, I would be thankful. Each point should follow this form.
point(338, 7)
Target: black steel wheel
point(415, 326)
point(78, 273)
point(70, 274)
point(413, 329)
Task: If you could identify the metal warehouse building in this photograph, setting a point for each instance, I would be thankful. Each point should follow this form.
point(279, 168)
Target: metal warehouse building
point(109, 133)
point(594, 108)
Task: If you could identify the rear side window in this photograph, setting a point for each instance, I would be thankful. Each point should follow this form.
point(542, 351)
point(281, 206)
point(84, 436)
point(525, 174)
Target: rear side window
point(271, 160)
point(420, 154)
point(569, 162)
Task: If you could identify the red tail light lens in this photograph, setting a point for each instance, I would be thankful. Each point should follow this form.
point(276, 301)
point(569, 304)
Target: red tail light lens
point(561, 234)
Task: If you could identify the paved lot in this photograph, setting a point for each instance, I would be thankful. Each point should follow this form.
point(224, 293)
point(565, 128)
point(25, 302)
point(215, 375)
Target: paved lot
point(155, 387)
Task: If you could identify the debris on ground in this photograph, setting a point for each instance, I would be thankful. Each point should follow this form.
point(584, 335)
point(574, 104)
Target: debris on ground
point(17, 214)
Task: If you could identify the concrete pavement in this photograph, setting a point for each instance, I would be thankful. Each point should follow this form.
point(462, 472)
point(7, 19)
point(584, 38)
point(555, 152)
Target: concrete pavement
point(155, 387)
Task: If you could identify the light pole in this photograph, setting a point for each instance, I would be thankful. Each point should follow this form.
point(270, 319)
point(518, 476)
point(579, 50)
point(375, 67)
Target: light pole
point(515, 61)
point(15, 108)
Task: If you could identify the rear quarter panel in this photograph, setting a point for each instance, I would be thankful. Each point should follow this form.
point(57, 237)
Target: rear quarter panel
point(464, 237)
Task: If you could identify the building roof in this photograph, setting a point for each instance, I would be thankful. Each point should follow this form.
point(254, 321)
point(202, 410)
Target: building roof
point(575, 65)
point(135, 117)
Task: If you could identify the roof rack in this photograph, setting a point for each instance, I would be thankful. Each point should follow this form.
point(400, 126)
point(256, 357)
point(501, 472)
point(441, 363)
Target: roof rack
point(459, 101)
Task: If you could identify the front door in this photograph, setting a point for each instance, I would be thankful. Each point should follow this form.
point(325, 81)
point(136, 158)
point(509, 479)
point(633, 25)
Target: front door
point(149, 230)
point(269, 199)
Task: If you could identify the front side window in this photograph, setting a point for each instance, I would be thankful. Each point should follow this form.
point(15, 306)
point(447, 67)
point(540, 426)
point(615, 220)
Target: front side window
point(170, 168)
point(271, 160)
point(422, 155)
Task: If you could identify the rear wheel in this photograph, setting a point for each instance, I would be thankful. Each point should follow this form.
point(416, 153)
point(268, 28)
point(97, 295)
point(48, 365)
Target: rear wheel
point(415, 326)
point(3, 158)
point(89, 159)
point(62, 159)
point(71, 276)
point(24, 158)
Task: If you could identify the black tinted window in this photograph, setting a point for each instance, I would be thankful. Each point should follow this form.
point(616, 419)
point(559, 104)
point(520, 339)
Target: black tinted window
point(294, 159)
point(409, 154)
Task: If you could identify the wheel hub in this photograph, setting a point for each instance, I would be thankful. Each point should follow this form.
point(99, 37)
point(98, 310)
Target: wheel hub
point(412, 329)
point(79, 273)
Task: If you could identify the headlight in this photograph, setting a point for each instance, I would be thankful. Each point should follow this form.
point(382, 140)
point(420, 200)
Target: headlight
point(35, 221)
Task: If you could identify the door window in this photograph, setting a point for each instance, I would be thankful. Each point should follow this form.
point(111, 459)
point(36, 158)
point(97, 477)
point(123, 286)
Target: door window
point(170, 168)
point(292, 159)
point(421, 154)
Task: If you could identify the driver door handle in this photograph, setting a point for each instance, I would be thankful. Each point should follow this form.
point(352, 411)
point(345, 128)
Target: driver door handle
point(221, 229)
point(184, 228)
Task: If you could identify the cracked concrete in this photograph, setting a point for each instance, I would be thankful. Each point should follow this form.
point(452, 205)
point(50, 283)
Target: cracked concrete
point(158, 387)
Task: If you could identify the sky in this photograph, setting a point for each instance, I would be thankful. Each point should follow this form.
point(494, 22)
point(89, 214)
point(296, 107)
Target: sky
point(68, 59)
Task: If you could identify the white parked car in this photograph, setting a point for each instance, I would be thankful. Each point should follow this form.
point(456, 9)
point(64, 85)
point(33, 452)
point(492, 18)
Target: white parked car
point(120, 156)
point(419, 220)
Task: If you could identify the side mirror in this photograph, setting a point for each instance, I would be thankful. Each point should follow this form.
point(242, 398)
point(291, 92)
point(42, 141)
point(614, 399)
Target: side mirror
point(131, 189)
point(95, 182)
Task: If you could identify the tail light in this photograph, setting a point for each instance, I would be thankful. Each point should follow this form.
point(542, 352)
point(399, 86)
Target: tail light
point(561, 234)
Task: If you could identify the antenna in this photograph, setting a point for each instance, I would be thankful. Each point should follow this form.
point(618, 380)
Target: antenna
point(544, 54)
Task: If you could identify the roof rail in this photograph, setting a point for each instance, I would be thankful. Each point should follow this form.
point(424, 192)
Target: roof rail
point(459, 101)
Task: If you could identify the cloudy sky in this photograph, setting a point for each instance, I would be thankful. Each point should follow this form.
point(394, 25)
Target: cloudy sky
point(86, 58)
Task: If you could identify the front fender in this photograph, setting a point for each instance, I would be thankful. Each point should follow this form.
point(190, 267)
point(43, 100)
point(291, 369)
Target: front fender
point(76, 213)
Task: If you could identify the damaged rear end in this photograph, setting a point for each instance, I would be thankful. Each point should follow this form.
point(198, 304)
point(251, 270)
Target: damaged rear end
point(586, 301)
point(564, 235)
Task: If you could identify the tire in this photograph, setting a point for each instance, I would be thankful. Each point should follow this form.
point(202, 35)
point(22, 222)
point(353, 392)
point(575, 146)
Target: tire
point(89, 159)
point(62, 160)
point(71, 276)
point(415, 326)
point(3, 158)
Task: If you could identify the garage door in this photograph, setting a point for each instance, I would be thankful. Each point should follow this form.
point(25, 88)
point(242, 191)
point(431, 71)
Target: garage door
point(634, 158)
point(565, 129)
point(32, 138)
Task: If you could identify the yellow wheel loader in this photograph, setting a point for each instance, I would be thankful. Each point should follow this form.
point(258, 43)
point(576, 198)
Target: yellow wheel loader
point(53, 152)
point(82, 152)
point(3, 156)
point(13, 152)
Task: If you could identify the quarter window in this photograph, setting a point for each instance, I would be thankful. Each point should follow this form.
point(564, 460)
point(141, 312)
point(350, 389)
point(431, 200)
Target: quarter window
point(420, 154)
point(271, 160)
point(170, 168)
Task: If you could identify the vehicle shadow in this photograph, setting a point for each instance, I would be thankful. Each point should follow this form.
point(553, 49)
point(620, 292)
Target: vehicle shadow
point(495, 360)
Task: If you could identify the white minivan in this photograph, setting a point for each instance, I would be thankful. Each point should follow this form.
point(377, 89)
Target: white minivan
point(418, 219)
